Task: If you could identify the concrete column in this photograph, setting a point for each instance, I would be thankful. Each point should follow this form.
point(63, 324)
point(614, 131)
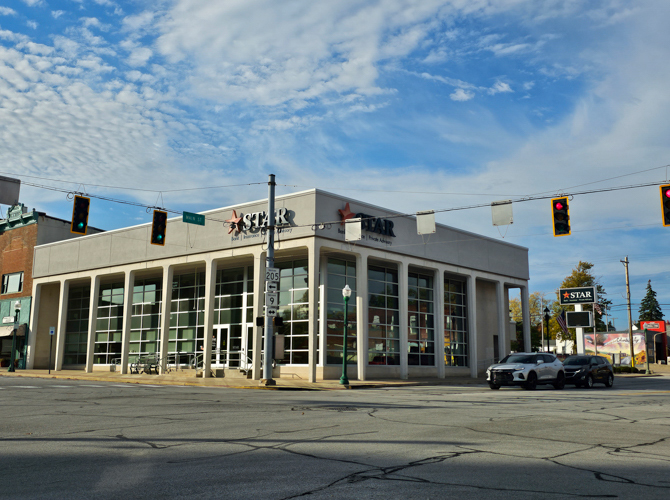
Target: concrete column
point(210, 288)
point(259, 301)
point(62, 323)
point(92, 321)
point(128, 286)
point(525, 314)
point(323, 311)
point(472, 324)
point(362, 314)
point(439, 322)
point(503, 317)
point(313, 264)
point(34, 319)
point(166, 302)
point(403, 297)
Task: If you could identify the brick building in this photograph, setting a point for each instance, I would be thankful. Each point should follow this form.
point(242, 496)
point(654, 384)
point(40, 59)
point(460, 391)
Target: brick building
point(20, 232)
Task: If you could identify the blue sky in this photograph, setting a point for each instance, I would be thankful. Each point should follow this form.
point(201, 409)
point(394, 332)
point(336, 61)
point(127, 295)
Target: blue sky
point(453, 102)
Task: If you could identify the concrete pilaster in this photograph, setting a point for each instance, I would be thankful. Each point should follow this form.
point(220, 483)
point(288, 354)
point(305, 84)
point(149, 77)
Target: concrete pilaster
point(259, 301)
point(210, 288)
point(92, 321)
point(472, 325)
point(403, 297)
point(525, 313)
point(313, 260)
point(34, 319)
point(503, 317)
point(362, 314)
point(128, 286)
point(166, 300)
point(62, 323)
point(439, 322)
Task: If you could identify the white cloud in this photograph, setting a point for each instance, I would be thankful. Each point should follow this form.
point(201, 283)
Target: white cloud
point(6, 11)
point(31, 24)
point(57, 13)
point(461, 95)
point(499, 87)
point(33, 3)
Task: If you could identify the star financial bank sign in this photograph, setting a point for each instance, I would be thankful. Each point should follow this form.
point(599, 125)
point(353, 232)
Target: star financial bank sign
point(383, 227)
point(250, 225)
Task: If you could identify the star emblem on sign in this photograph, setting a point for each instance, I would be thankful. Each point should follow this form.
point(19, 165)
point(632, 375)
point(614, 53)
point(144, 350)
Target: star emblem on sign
point(346, 213)
point(566, 295)
point(235, 223)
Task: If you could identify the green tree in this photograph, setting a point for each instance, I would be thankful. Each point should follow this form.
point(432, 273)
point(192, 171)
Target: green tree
point(582, 276)
point(537, 303)
point(650, 310)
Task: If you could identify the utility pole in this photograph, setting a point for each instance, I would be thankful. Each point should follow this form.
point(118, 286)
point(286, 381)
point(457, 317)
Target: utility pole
point(630, 317)
point(269, 263)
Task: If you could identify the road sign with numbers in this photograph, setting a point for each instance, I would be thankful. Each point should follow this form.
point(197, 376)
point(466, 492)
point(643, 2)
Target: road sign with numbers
point(272, 274)
point(272, 299)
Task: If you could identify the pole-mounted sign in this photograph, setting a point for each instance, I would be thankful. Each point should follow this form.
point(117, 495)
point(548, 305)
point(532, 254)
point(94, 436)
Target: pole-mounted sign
point(581, 295)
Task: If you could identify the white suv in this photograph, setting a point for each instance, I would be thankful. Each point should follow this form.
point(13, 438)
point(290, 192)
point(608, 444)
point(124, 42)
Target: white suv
point(527, 369)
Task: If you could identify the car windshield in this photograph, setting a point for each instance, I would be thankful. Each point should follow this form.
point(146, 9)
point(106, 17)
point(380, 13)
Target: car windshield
point(577, 360)
point(518, 358)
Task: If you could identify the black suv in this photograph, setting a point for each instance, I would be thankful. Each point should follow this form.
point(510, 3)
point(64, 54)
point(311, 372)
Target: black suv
point(585, 370)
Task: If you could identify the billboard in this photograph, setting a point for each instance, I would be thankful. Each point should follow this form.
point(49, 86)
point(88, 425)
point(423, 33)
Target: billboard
point(617, 343)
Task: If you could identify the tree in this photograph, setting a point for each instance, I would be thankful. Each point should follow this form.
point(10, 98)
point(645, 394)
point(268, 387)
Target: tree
point(650, 310)
point(582, 276)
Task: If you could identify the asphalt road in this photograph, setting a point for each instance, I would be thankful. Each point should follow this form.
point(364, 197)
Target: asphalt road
point(76, 439)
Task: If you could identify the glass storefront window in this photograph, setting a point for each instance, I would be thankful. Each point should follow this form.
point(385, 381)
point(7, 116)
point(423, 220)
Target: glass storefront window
point(383, 316)
point(340, 273)
point(110, 322)
point(421, 322)
point(76, 329)
point(294, 310)
point(145, 321)
point(455, 323)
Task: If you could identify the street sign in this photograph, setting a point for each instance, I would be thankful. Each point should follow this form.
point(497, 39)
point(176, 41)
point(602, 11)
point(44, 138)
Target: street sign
point(52, 330)
point(581, 295)
point(272, 299)
point(191, 218)
point(8, 319)
point(272, 274)
point(272, 311)
point(272, 286)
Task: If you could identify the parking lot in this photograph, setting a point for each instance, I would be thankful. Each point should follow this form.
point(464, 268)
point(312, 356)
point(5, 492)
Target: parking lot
point(79, 439)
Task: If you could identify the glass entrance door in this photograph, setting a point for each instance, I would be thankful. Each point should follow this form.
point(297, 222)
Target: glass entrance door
point(220, 346)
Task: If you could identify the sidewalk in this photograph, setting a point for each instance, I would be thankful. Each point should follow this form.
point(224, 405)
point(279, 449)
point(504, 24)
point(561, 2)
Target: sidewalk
point(237, 382)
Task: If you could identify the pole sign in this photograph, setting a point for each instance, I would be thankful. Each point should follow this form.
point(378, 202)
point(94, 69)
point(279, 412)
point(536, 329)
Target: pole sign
point(271, 299)
point(582, 295)
point(272, 274)
point(272, 286)
point(52, 330)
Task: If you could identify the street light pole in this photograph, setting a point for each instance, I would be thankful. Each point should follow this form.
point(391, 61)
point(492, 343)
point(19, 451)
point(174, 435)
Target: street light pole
point(346, 293)
point(17, 310)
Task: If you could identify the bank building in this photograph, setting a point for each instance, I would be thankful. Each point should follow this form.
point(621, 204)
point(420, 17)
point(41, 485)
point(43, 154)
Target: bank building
point(422, 306)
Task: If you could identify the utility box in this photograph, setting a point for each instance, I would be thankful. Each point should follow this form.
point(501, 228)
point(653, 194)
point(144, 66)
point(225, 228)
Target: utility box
point(278, 347)
point(578, 319)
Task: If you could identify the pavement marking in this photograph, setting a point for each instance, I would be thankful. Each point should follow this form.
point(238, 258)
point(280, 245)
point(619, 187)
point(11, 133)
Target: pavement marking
point(22, 387)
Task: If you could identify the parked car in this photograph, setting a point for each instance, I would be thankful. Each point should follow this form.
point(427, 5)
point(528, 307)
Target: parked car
point(584, 370)
point(526, 370)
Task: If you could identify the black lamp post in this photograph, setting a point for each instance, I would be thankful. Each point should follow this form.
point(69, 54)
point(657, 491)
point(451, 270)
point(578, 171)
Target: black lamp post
point(546, 322)
point(17, 309)
point(346, 293)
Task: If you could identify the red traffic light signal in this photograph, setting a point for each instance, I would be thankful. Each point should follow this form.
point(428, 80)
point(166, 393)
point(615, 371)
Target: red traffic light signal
point(560, 216)
point(80, 208)
point(158, 228)
point(665, 204)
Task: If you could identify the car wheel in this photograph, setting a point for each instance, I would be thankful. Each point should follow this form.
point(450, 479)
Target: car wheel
point(494, 386)
point(531, 383)
point(609, 382)
point(560, 381)
point(589, 381)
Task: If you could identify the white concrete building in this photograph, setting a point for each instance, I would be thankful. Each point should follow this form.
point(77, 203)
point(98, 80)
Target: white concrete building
point(422, 305)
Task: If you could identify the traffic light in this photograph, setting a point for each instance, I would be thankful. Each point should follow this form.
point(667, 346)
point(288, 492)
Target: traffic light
point(560, 215)
point(665, 203)
point(158, 228)
point(80, 215)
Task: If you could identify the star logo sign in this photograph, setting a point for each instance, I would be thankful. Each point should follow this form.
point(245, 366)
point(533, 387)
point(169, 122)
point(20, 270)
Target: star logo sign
point(346, 213)
point(235, 223)
point(566, 295)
